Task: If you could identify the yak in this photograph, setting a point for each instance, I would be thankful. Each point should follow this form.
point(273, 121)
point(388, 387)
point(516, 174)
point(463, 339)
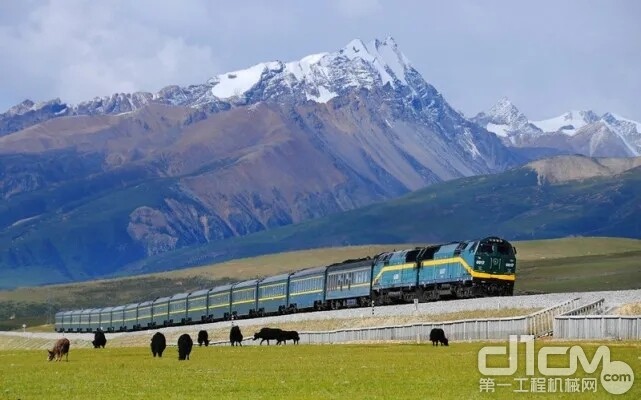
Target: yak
point(203, 338)
point(158, 344)
point(268, 334)
point(235, 336)
point(99, 339)
point(437, 335)
point(184, 346)
point(61, 348)
point(288, 335)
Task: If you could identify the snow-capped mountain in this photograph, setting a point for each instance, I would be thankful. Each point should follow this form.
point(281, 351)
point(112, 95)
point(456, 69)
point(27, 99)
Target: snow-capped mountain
point(505, 119)
point(583, 132)
point(318, 77)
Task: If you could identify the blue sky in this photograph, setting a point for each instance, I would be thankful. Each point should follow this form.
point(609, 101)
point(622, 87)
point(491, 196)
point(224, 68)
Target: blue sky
point(548, 57)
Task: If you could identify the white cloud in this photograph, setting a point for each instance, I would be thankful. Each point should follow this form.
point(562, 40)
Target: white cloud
point(78, 50)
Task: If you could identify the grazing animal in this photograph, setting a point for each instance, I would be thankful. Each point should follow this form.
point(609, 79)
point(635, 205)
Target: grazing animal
point(203, 338)
point(268, 334)
point(158, 344)
point(61, 348)
point(288, 335)
point(184, 346)
point(235, 336)
point(99, 339)
point(438, 335)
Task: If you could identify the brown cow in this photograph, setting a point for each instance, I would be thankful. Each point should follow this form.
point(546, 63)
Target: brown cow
point(61, 348)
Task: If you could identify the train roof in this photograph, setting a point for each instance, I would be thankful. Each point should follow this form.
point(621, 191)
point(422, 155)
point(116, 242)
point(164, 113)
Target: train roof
point(146, 303)
point(162, 299)
point(179, 296)
point(245, 284)
point(349, 264)
point(281, 277)
point(199, 292)
point(107, 309)
point(309, 271)
point(118, 308)
point(131, 305)
point(223, 288)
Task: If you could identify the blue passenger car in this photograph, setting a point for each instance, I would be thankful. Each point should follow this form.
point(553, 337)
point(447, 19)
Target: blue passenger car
point(160, 312)
point(272, 295)
point(67, 321)
point(105, 319)
point(197, 306)
point(85, 320)
point(243, 299)
point(94, 319)
point(307, 289)
point(178, 309)
point(60, 326)
point(145, 316)
point(117, 319)
point(131, 317)
point(349, 283)
point(219, 300)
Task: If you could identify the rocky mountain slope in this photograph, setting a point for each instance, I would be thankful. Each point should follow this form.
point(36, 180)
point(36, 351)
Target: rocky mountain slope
point(89, 188)
point(574, 132)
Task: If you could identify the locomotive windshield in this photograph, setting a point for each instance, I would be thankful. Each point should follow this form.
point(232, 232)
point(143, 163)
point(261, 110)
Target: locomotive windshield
point(498, 248)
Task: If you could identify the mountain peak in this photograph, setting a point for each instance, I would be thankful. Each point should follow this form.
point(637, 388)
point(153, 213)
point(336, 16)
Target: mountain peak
point(504, 118)
point(569, 122)
point(504, 108)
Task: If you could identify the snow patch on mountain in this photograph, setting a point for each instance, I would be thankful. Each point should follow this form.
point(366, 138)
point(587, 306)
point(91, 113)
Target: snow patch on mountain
point(567, 123)
point(238, 82)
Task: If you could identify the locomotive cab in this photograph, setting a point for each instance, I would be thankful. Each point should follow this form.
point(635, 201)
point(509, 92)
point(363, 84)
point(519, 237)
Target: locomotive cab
point(494, 266)
point(495, 256)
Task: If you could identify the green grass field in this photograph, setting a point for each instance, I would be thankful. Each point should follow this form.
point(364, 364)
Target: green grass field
point(559, 265)
point(382, 371)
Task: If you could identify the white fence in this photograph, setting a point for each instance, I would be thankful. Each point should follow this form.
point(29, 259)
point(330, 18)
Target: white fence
point(585, 322)
point(539, 323)
point(597, 327)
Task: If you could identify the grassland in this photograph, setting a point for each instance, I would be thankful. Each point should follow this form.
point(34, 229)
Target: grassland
point(560, 265)
point(390, 371)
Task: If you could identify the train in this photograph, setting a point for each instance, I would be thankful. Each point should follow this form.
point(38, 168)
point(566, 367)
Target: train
point(465, 269)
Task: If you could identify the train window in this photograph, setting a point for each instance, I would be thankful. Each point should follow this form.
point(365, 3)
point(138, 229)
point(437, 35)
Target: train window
point(504, 248)
point(485, 248)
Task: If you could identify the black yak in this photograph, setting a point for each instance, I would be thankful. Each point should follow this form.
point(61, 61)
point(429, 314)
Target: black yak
point(184, 346)
point(235, 336)
point(288, 335)
point(203, 338)
point(158, 344)
point(438, 335)
point(268, 334)
point(99, 339)
point(61, 348)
